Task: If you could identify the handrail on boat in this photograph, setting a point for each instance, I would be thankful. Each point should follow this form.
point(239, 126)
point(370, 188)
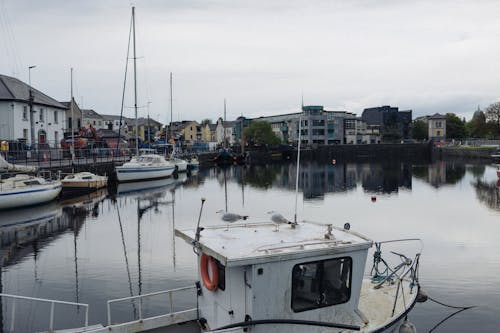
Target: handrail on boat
point(44, 300)
point(140, 297)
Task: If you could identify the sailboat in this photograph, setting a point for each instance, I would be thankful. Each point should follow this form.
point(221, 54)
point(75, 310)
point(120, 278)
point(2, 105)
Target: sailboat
point(149, 165)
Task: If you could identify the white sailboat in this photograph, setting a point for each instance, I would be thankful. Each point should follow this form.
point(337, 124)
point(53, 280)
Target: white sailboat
point(24, 190)
point(147, 166)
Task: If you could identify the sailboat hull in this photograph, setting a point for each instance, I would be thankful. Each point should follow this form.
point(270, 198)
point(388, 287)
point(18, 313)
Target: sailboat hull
point(126, 174)
point(29, 196)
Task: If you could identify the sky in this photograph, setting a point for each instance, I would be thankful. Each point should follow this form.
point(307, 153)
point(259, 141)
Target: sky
point(262, 56)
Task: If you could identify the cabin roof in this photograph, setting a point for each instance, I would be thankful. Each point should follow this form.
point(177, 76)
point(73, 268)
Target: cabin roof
point(253, 243)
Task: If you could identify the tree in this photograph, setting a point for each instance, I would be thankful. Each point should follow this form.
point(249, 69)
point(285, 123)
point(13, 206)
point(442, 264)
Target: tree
point(476, 127)
point(455, 127)
point(420, 130)
point(261, 133)
point(493, 115)
point(206, 121)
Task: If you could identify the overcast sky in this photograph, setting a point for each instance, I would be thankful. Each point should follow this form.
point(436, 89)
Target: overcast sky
point(428, 56)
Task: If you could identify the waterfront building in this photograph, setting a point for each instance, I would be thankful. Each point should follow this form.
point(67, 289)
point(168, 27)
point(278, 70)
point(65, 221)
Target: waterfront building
point(437, 127)
point(356, 131)
point(28, 115)
point(389, 119)
point(92, 118)
point(192, 132)
point(225, 131)
point(74, 123)
point(239, 127)
point(112, 121)
point(208, 132)
point(147, 127)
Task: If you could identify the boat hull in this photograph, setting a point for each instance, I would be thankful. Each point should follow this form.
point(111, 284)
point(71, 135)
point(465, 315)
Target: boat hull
point(22, 197)
point(76, 186)
point(125, 174)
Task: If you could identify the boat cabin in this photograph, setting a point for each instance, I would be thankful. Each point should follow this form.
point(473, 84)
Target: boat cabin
point(266, 271)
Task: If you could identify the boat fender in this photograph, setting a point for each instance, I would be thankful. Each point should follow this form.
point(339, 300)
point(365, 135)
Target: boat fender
point(422, 296)
point(209, 282)
point(407, 327)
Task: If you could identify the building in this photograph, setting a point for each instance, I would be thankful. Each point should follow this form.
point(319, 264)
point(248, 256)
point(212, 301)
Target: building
point(148, 128)
point(29, 115)
point(73, 116)
point(112, 121)
point(208, 133)
point(192, 132)
point(90, 117)
point(225, 132)
point(390, 120)
point(437, 127)
point(356, 131)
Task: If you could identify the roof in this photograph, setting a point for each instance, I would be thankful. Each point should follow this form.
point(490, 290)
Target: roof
point(229, 124)
point(89, 113)
point(254, 243)
point(145, 121)
point(12, 89)
point(437, 116)
point(113, 117)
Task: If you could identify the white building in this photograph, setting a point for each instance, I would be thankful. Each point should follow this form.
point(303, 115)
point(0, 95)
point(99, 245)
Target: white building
point(225, 129)
point(44, 125)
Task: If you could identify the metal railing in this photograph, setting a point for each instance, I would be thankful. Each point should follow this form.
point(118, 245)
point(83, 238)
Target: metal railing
point(52, 308)
point(140, 297)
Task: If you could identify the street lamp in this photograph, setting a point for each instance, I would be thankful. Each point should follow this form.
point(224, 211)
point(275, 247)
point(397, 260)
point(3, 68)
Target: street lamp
point(31, 97)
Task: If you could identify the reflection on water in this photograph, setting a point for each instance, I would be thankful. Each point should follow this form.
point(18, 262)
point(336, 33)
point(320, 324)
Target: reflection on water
point(111, 245)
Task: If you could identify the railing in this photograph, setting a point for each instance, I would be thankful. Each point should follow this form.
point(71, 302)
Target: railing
point(52, 308)
point(140, 297)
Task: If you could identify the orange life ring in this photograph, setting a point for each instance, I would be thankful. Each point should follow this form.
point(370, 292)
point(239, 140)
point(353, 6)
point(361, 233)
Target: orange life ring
point(209, 283)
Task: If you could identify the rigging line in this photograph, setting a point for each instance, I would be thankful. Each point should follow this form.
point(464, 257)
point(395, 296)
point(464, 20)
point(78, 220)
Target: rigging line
point(123, 91)
point(8, 51)
point(446, 318)
point(11, 36)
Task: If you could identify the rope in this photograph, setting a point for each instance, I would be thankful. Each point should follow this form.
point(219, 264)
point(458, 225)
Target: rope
point(451, 306)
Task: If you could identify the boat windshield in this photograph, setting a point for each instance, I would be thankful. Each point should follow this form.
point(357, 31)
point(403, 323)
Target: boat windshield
point(321, 283)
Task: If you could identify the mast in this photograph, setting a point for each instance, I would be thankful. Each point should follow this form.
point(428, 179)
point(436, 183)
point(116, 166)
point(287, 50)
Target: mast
point(72, 127)
point(224, 123)
point(135, 85)
point(171, 108)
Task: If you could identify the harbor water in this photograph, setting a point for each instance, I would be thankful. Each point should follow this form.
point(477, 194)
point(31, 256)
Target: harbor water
point(118, 243)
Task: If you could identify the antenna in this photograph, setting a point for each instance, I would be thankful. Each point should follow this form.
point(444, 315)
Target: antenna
point(298, 168)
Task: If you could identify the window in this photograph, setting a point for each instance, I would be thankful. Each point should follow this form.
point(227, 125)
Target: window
point(25, 112)
point(319, 284)
point(25, 133)
point(438, 124)
point(56, 120)
point(56, 138)
point(41, 115)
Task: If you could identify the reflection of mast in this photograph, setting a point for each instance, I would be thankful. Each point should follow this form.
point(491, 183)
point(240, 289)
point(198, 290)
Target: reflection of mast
point(1, 300)
point(76, 264)
point(126, 261)
point(225, 187)
point(139, 247)
point(173, 225)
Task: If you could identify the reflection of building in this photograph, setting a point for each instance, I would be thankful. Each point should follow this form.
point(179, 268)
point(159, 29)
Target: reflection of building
point(488, 193)
point(437, 174)
point(385, 177)
point(389, 119)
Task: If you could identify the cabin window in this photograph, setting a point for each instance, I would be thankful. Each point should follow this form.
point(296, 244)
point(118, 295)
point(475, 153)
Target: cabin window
point(319, 284)
point(222, 275)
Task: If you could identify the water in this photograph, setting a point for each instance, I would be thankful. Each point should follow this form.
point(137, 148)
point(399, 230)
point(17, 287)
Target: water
point(112, 246)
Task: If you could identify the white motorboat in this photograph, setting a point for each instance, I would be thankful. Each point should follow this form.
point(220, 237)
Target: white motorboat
point(144, 167)
point(83, 182)
point(24, 190)
point(181, 165)
point(193, 163)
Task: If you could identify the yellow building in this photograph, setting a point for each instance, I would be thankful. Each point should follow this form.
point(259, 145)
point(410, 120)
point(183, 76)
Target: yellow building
point(192, 132)
point(208, 133)
point(437, 127)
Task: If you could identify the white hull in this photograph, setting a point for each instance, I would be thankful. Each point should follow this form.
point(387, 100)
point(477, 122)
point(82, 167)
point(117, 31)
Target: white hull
point(29, 196)
point(180, 164)
point(125, 174)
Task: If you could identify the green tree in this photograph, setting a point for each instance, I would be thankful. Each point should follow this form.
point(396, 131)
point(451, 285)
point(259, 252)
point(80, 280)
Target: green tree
point(420, 130)
point(206, 121)
point(455, 127)
point(476, 127)
point(493, 115)
point(260, 132)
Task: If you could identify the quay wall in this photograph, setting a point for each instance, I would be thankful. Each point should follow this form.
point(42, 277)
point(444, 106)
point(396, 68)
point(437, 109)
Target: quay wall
point(469, 153)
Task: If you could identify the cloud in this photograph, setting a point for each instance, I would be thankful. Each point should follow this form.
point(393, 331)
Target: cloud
point(423, 55)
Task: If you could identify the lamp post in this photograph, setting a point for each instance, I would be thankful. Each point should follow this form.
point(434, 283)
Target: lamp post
point(31, 98)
